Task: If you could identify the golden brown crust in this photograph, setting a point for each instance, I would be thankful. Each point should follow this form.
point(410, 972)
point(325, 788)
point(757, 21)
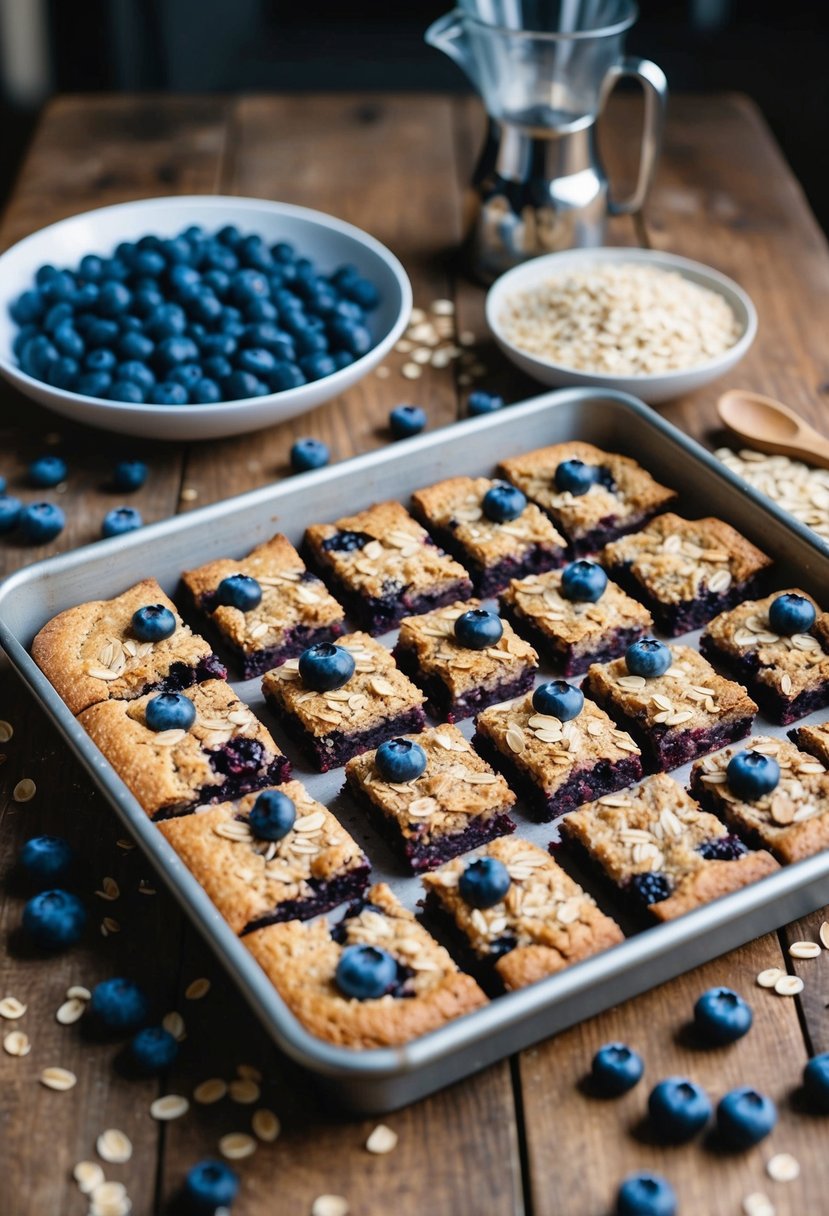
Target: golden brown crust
point(814, 739)
point(582, 625)
point(715, 879)
point(527, 964)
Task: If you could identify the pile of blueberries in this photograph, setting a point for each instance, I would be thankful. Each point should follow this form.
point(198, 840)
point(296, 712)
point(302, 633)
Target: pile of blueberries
point(193, 319)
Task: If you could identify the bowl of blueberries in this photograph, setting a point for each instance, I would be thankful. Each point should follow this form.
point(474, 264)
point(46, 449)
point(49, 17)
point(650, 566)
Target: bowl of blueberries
point(196, 317)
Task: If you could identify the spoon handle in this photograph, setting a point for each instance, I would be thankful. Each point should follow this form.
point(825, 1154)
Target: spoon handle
point(811, 448)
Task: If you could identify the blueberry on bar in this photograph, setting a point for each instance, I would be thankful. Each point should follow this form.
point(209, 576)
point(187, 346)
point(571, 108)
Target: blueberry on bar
point(260, 865)
point(376, 978)
point(513, 916)
point(591, 496)
point(464, 658)
point(382, 565)
point(338, 700)
point(266, 607)
point(659, 850)
point(686, 571)
point(176, 751)
point(120, 649)
point(452, 803)
point(490, 528)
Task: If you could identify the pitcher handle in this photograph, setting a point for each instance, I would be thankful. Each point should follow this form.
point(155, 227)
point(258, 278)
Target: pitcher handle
point(655, 87)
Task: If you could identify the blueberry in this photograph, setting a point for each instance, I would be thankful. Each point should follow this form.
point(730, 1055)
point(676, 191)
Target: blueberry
point(216, 368)
point(127, 390)
point(3, 484)
point(648, 658)
point(361, 291)
point(583, 582)
point(750, 775)
point(285, 376)
point(44, 274)
point(400, 760)
point(205, 392)
point(153, 1050)
point(114, 270)
point(129, 475)
point(10, 509)
point(47, 471)
point(186, 374)
point(645, 1195)
point(307, 454)
point(57, 315)
point(101, 360)
point(120, 520)
point(616, 1069)
point(316, 367)
point(791, 613)
point(574, 477)
point(745, 1117)
point(61, 286)
point(175, 350)
point(349, 335)
point(258, 361)
point(722, 848)
point(62, 373)
point(722, 1016)
point(153, 623)
point(218, 281)
point(365, 973)
point(91, 268)
point(94, 384)
point(134, 345)
point(272, 815)
point(678, 1108)
point(816, 1081)
point(101, 333)
point(650, 887)
point(268, 337)
point(166, 321)
point(148, 262)
point(54, 920)
point(27, 307)
point(68, 341)
point(558, 699)
point(341, 359)
point(503, 502)
point(324, 667)
point(37, 356)
point(169, 711)
point(478, 628)
point(41, 522)
point(113, 299)
point(119, 1005)
point(182, 276)
point(406, 420)
point(22, 338)
point(484, 882)
point(209, 1185)
point(480, 403)
point(167, 393)
point(47, 859)
point(240, 385)
point(239, 591)
point(218, 344)
point(86, 298)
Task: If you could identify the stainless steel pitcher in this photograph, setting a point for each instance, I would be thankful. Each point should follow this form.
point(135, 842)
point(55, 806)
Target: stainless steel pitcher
point(544, 69)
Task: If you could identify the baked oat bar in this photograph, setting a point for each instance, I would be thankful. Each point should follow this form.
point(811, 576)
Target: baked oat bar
point(687, 570)
point(813, 739)
point(91, 653)
point(256, 881)
point(226, 753)
point(621, 496)
point(658, 848)
point(427, 990)
point(296, 608)
point(456, 804)
point(543, 923)
point(382, 565)
point(791, 821)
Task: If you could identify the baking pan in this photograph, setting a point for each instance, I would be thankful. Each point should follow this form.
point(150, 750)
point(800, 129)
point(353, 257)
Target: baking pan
point(383, 1079)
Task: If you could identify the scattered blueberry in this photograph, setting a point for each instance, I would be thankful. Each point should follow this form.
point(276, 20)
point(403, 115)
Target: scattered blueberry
point(54, 920)
point(272, 815)
point(239, 591)
point(10, 509)
point(722, 848)
point(752, 774)
point(128, 391)
point(480, 403)
point(153, 1050)
point(574, 477)
point(503, 502)
point(400, 760)
point(558, 699)
point(47, 472)
point(406, 420)
point(307, 454)
point(119, 1005)
point(167, 393)
point(478, 628)
point(41, 522)
point(645, 1195)
point(210, 1185)
point(2, 485)
point(130, 475)
point(650, 887)
point(153, 623)
point(324, 667)
point(484, 882)
point(678, 1108)
point(791, 613)
point(583, 582)
point(121, 520)
point(170, 711)
point(365, 973)
point(47, 859)
point(816, 1081)
point(722, 1016)
point(745, 1117)
point(648, 658)
point(616, 1069)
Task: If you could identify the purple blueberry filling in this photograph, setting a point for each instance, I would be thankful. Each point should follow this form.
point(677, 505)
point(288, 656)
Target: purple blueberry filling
point(182, 675)
point(650, 888)
point(334, 749)
point(687, 615)
point(779, 708)
point(346, 542)
point(488, 580)
point(572, 660)
point(723, 848)
point(339, 934)
point(481, 968)
point(326, 895)
point(440, 702)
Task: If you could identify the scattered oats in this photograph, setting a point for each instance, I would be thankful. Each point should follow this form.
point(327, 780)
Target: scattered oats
point(783, 1167)
point(6, 731)
point(249, 1072)
point(58, 1078)
point(173, 1023)
point(789, 985)
point(11, 1008)
point(109, 889)
point(125, 844)
point(237, 1145)
point(145, 889)
point(16, 1043)
point(422, 355)
point(189, 494)
point(109, 925)
point(170, 1106)
point(804, 949)
point(411, 371)
point(466, 337)
point(769, 977)
point(382, 372)
point(109, 1199)
point(382, 1140)
point(244, 1091)
point(114, 1146)
point(197, 989)
point(266, 1125)
point(88, 1175)
point(758, 1204)
point(210, 1091)
point(70, 1011)
point(77, 992)
point(329, 1205)
point(443, 308)
point(25, 790)
point(823, 934)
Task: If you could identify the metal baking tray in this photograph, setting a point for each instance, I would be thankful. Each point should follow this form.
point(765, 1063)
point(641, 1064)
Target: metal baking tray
point(383, 1079)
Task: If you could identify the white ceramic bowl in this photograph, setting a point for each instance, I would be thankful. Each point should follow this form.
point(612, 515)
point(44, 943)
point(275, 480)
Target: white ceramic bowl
point(655, 388)
point(327, 241)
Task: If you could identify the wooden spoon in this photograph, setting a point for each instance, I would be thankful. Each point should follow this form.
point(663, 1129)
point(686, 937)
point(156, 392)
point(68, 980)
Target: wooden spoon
point(770, 426)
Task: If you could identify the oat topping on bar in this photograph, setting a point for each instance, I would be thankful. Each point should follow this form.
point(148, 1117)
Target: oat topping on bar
point(790, 665)
point(539, 599)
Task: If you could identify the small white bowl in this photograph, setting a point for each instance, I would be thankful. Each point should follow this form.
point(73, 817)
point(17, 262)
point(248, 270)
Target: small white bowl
point(327, 241)
point(651, 388)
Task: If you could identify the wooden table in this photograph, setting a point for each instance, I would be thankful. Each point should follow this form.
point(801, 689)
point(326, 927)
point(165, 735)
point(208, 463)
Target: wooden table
point(521, 1137)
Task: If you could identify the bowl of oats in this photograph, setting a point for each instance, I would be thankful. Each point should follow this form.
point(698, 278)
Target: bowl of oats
point(638, 320)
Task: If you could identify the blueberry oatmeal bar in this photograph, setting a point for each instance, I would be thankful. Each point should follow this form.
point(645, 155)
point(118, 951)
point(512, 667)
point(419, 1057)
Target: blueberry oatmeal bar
point(333, 724)
point(813, 739)
point(255, 879)
point(514, 916)
point(687, 570)
point(294, 608)
point(660, 850)
point(490, 528)
point(790, 819)
point(221, 753)
point(454, 803)
point(675, 716)
point(459, 676)
point(383, 566)
point(591, 496)
point(787, 672)
point(119, 649)
point(410, 984)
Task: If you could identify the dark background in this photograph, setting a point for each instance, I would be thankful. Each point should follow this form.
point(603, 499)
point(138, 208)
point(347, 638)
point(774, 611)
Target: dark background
point(777, 51)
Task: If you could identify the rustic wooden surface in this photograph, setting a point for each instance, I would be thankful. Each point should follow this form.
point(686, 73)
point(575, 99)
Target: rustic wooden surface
point(523, 1137)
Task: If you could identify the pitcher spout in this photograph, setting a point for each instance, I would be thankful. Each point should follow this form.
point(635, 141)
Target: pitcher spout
point(449, 34)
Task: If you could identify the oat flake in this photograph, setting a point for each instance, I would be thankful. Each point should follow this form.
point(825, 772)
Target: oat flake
point(16, 1043)
point(783, 1167)
point(58, 1078)
point(197, 989)
point(266, 1125)
point(170, 1106)
point(88, 1175)
point(329, 1205)
point(114, 1146)
point(789, 985)
point(382, 1140)
point(769, 977)
point(6, 731)
point(70, 1011)
point(11, 1008)
point(25, 790)
point(235, 1146)
point(244, 1091)
point(210, 1091)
